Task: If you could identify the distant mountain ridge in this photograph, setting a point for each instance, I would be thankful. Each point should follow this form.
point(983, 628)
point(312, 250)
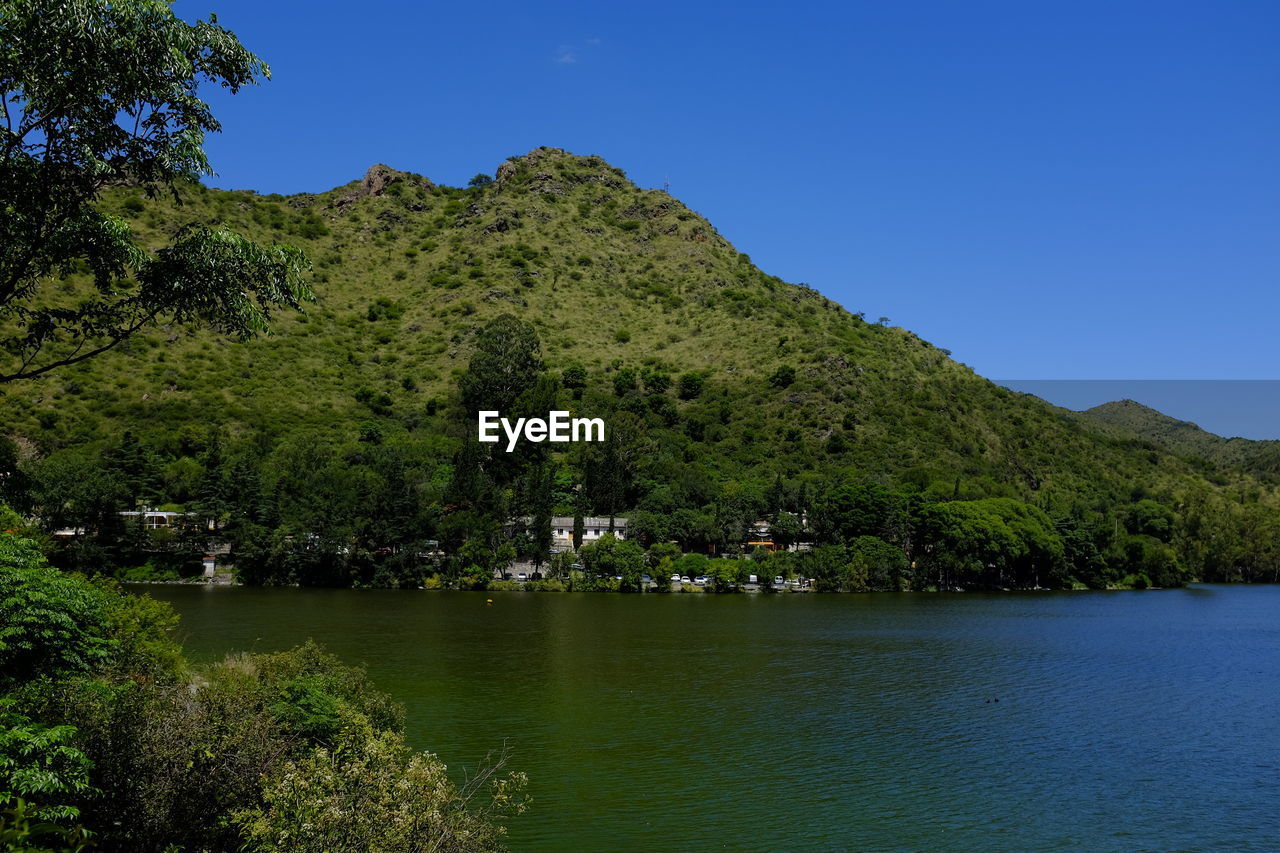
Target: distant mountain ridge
point(1187, 439)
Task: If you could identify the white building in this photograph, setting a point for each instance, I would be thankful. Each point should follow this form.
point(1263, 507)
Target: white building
point(152, 519)
point(593, 528)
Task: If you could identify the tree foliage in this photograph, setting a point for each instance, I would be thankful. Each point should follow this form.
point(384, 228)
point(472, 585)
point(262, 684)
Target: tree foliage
point(371, 789)
point(104, 729)
point(96, 94)
point(506, 364)
point(50, 624)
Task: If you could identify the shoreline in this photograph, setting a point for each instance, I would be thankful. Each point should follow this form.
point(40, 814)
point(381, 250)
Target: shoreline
point(692, 590)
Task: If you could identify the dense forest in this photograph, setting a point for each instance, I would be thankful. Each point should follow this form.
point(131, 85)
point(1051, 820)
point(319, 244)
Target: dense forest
point(341, 449)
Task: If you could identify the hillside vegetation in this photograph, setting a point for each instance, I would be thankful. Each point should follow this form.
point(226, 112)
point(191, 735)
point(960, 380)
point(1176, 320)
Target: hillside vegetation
point(731, 396)
point(1183, 438)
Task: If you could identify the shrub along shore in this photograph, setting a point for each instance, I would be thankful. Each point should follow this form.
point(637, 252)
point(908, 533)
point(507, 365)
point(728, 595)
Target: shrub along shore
point(110, 738)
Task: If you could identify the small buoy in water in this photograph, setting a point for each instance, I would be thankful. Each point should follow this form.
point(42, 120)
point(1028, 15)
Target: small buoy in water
point(488, 601)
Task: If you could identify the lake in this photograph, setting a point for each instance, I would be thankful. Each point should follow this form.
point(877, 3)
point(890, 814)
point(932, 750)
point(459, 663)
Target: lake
point(1017, 721)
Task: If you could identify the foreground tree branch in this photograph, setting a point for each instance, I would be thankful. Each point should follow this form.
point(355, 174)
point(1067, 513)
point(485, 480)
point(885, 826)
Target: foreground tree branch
point(95, 94)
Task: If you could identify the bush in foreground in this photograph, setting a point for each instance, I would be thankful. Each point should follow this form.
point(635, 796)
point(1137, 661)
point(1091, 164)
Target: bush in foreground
point(106, 732)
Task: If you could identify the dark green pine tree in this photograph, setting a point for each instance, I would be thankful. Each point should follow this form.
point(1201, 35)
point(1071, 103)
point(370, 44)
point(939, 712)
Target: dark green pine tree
point(579, 521)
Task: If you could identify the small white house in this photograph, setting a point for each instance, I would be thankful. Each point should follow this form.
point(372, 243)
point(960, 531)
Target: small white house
point(153, 519)
point(593, 527)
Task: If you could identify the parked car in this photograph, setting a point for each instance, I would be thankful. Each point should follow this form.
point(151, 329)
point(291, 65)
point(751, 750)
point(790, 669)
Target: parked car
point(700, 580)
point(779, 581)
point(752, 579)
point(685, 579)
point(675, 579)
point(522, 577)
point(645, 579)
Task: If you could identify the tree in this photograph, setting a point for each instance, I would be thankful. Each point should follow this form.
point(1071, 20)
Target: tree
point(826, 564)
point(506, 363)
point(691, 385)
point(856, 509)
point(610, 556)
point(693, 565)
point(648, 527)
point(624, 381)
point(134, 467)
point(783, 376)
point(992, 542)
point(610, 466)
point(876, 564)
point(14, 482)
point(541, 484)
point(655, 381)
point(786, 529)
point(575, 379)
point(96, 94)
point(50, 623)
point(727, 574)
point(1151, 518)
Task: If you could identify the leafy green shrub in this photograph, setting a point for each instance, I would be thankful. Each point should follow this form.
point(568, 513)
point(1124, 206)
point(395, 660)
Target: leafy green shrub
point(504, 586)
point(141, 631)
point(545, 585)
point(373, 787)
point(308, 708)
point(40, 765)
point(783, 376)
point(149, 572)
point(656, 382)
point(574, 377)
point(624, 381)
point(50, 623)
point(21, 829)
point(691, 384)
point(384, 308)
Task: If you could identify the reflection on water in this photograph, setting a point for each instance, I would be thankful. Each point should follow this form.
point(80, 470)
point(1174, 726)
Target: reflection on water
point(1092, 721)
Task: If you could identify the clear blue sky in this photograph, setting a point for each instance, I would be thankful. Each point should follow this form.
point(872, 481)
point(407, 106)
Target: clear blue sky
point(1048, 189)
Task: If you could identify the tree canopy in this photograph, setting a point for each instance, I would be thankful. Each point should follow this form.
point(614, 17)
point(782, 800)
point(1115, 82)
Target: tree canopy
point(96, 94)
point(506, 363)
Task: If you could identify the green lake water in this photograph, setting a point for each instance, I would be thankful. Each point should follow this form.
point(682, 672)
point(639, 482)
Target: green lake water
point(1124, 720)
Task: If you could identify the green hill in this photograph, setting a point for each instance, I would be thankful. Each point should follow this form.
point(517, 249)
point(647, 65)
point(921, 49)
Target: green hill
point(737, 395)
point(1183, 438)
